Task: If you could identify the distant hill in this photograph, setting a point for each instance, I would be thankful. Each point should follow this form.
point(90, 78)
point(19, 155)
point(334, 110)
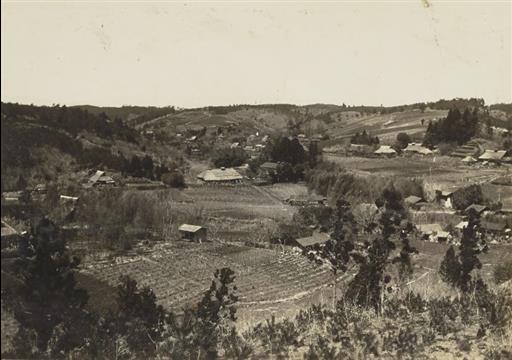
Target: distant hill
point(41, 141)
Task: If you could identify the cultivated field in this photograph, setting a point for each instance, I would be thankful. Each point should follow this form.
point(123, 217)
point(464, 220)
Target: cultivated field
point(179, 273)
point(437, 172)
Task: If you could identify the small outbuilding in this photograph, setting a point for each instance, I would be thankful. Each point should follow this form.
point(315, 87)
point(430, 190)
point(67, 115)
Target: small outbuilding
point(469, 160)
point(476, 208)
point(432, 232)
point(194, 233)
point(99, 178)
point(9, 236)
point(315, 240)
point(413, 201)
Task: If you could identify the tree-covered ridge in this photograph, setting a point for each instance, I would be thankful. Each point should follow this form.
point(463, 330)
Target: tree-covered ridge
point(73, 120)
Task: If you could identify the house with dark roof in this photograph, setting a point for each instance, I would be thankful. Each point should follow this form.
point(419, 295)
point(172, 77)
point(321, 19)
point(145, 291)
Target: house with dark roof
point(413, 201)
point(476, 208)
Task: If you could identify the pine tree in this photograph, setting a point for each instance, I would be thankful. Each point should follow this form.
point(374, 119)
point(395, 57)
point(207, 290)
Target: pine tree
point(450, 268)
point(49, 296)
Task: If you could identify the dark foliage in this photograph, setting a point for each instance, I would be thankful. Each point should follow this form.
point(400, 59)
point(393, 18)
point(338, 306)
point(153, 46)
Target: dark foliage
point(364, 138)
point(173, 179)
point(229, 157)
point(456, 127)
point(49, 297)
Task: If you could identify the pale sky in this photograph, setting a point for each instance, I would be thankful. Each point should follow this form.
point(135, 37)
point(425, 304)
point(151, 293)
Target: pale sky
point(220, 53)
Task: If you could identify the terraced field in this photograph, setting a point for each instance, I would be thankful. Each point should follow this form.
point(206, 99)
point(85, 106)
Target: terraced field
point(180, 272)
point(386, 126)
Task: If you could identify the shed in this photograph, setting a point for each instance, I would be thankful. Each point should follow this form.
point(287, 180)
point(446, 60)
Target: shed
point(316, 239)
point(66, 198)
point(13, 197)
point(479, 209)
point(269, 166)
point(9, 235)
point(434, 232)
point(413, 200)
point(225, 175)
point(469, 160)
point(41, 188)
point(193, 232)
point(461, 225)
point(428, 229)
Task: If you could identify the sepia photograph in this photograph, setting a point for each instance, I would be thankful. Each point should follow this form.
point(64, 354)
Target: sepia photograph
point(201, 180)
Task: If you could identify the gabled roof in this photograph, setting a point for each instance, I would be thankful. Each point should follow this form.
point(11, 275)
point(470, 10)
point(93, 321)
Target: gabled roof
point(493, 155)
point(12, 195)
point(96, 176)
point(269, 166)
point(8, 230)
point(486, 225)
point(418, 148)
point(469, 159)
point(411, 200)
point(477, 208)
point(461, 225)
point(316, 239)
point(442, 234)
point(385, 149)
point(429, 228)
point(221, 174)
point(190, 228)
point(106, 179)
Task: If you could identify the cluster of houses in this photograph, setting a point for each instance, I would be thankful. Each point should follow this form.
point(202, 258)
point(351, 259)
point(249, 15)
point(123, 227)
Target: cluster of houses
point(496, 228)
point(486, 156)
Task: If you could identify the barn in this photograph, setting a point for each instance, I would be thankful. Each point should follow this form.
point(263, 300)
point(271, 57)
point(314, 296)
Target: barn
point(194, 233)
point(315, 240)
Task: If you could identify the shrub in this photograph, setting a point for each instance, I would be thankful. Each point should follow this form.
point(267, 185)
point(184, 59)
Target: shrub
point(403, 139)
point(446, 148)
point(174, 179)
point(229, 157)
point(503, 272)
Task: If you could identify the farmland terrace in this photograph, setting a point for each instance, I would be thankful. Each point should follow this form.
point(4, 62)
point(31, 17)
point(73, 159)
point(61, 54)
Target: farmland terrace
point(180, 272)
point(269, 281)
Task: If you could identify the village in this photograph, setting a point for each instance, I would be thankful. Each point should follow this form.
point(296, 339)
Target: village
point(254, 180)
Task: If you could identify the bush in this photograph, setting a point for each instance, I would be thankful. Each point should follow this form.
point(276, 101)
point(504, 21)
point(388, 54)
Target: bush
point(503, 272)
point(229, 157)
point(446, 148)
point(174, 179)
point(402, 140)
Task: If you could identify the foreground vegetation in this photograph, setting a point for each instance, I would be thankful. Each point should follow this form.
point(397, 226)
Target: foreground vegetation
point(376, 315)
